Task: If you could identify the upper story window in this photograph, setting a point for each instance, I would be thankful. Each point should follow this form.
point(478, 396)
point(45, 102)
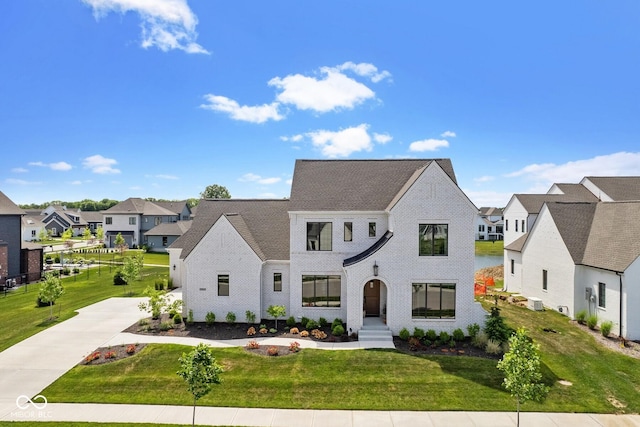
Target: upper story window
point(516, 225)
point(522, 226)
point(372, 229)
point(319, 236)
point(132, 220)
point(277, 282)
point(348, 231)
point(158, 220)
point(434, 239)
point(108, 220)
point(481, 228)
point(165, 240)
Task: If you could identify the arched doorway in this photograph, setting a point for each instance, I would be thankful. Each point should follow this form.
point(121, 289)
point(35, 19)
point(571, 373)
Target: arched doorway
point(374, 298)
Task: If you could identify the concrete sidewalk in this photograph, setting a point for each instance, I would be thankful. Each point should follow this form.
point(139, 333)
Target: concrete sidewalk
point(30, 366)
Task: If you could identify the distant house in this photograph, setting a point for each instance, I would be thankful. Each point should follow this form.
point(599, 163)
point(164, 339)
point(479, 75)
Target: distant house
point(580, 250)
point(489, 224)
point(18, 261)
point(386, 239)
point(161, 236)
point(32, 226)
point(180, 208)
point(133, 218)
point(58, 219)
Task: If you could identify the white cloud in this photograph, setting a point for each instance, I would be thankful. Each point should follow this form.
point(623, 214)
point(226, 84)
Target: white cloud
point(485, 178)
point(545, 174)
point(76, 182)
point(162, 176)
point(255, 114)
point(428, 145)
point(448, 134)
point(100, 165)
point(488, 198)
point(333, 90)
point(58, 166)
point(365, 70)
point(19, 170)
point(166, 24)
point(294, 138)
point(342, 143)
point(251, 177)
point(382, 138)
point(289, 181)
point(21, 182)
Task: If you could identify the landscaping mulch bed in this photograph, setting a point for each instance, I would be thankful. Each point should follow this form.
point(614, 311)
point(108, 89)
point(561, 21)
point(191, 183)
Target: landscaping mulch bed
point(111, 354)
point(461, 349)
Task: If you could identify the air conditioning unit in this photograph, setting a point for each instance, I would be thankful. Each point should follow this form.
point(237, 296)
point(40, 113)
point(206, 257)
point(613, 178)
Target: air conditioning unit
point(535, 304)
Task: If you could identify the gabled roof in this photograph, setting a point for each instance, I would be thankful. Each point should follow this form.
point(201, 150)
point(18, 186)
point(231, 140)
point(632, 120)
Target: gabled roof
point(91, 216)
point(533, 202)
point(517, 244)
point(135, 205)
point(355, 185)
point(576, 192)
point(170, 229)
point(32, 221)
point(486, 211)
point(619, 188)
point(573, 221)
point(176, 206)
point(7, 207)
point(263, 224)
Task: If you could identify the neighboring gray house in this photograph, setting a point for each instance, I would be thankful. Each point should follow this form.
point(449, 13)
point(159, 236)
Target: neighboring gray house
point(386, 239)
point(163, 235)
point(489, 224)
point(180, 208)
point(581, 255)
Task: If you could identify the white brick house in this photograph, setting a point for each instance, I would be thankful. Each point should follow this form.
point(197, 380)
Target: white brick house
point(381, 238)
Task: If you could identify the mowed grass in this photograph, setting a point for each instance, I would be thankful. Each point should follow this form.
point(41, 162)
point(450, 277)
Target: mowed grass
point(603, 381)
point(20, 318)
point(489, 247)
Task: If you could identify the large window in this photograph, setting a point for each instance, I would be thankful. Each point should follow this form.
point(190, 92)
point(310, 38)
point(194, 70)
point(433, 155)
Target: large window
point(321, 291)
point(602, 295)
point(319, 236)
point(277, 282)
point(434, 240)
point(223, 285)
point(132, 220)
point(433, 301)
point(348, 231)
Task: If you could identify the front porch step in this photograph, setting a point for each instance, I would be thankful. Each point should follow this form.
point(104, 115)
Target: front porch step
point(375, 332)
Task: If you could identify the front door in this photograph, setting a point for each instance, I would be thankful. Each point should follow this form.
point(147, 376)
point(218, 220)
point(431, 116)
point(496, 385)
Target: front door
point(372, 298)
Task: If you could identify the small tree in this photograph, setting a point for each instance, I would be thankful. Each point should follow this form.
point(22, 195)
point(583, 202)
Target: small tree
point(121, 244)
point(277, 311)
point(521, 367)
point(86, 234)
point(66, 237)
point(100, 234)
point(50, 290)
point(131, 268)
point(200, 370)
point(43, 235)
point(158, 301)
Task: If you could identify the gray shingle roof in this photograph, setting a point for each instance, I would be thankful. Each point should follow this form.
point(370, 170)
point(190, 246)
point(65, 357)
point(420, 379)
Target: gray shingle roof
point(573, 221)
point(7, 207)
point(577, 192)
point(174, 206)
point(354, 185)
point(533, 202)
point(135, 205)
point(263, 224)
point(169, 229)
point(619, 188)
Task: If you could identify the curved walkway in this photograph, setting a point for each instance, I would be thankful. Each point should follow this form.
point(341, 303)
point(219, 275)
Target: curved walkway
point(30, 366)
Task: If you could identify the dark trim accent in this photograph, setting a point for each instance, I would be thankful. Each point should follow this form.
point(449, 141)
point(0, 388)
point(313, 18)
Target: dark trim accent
point(369, 251)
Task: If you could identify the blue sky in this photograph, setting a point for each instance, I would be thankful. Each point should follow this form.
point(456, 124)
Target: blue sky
point(131, 98)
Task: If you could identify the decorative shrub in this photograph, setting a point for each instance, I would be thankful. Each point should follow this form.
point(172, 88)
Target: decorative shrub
point(414, 344)
point(263, 326)
point(66, 271)
point(495, 327)
point(263, 330)
point(273, 330)
point(251, 316)
point(312, 324)
point(231, 317)
point(581, 316)
point(118, 279)
point(251, 331)
point(190, 317)
point(605, 328)
point(272, 351)
point(444, 337)
point(431, 335)
point(131, 348)
point(337, 331)
point(291, 321)
point(143, 322)
point(493, 347)
point(253, 344)
point(294, 331)
point(165, 326)
point(458, 335)
point(404, 334)
point(418, 333)
point(592, 321)
point(93, 356)
point(480, 340)
point(318, 334)
point(294, 346)
point(177, 318)
point(76, 270)
point(170, 283)
point(210, 318)
point(304, 320)
point(473, 330)
point(322, 322)
point(304, 334)
point(110, 354)
point(159, 284)
point(335, 322)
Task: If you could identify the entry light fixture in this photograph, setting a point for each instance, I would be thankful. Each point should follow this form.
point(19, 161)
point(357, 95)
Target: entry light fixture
point(375, 268)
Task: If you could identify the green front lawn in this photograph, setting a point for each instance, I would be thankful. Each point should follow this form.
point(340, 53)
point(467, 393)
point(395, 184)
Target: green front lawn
point(373, 379)
point(489, 247)
point(20, 318)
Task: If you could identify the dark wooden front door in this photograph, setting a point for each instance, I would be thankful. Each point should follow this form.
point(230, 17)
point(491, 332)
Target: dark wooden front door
point(372, 298)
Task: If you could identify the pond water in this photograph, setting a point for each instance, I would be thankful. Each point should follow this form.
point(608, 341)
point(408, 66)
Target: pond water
point(483, 261)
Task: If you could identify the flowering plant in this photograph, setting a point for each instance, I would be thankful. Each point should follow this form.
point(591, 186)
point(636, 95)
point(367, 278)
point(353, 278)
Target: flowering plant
point(110, 354)
point(131, 348)
point(253, 344)
point(93, 356)
point(272, 351)
point(294, 346)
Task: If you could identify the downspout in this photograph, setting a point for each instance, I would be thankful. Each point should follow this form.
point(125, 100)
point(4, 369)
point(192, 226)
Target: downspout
point(620, 276)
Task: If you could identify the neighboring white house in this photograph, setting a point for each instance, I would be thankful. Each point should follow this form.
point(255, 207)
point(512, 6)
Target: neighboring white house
point(489, 224)
point(580, 255)
point(380, 238)
point(32, 226)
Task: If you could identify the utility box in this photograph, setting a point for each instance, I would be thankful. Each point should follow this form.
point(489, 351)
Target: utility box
point(535, 304)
